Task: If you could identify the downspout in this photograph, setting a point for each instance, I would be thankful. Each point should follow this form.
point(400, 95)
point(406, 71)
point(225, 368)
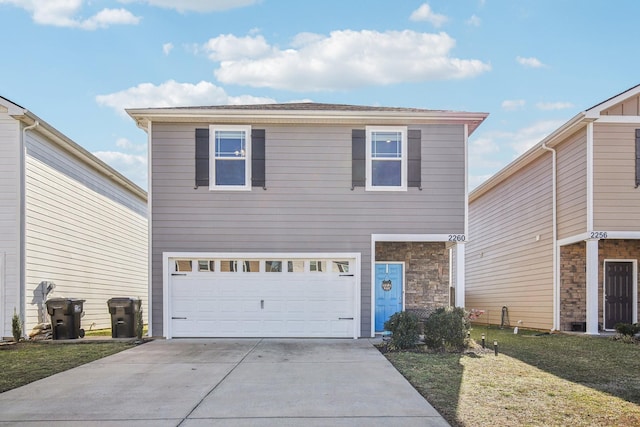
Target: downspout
point(147, 130)
point(554, 214)
point(23, 227)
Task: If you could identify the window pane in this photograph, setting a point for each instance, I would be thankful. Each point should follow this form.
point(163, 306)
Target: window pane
point(295, 266)
point(273, 266)
point(340, 266)
point(230, 144)
point(183, 265)
point(230, 172)
point(386, 173)
point(251, 266)
point(206, 265)
point(228, 265)
point(316, 266)
point(386, 145)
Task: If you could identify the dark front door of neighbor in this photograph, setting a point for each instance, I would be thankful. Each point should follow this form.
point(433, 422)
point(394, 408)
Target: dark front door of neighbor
point(618, 293)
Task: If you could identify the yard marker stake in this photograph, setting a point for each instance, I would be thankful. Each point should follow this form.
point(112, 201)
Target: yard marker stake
point(495, 347)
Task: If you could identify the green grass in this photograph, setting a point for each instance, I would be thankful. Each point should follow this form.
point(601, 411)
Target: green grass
point(26, 362)
point(535, 380)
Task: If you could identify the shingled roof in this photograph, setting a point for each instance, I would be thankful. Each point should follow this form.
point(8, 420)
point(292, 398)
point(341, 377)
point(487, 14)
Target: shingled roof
point(304, 106)
point(304, 112)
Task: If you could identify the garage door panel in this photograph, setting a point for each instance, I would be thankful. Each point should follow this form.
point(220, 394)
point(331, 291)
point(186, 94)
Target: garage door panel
point(264, 304)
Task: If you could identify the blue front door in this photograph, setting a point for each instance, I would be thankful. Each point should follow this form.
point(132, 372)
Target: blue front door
point(388, 292)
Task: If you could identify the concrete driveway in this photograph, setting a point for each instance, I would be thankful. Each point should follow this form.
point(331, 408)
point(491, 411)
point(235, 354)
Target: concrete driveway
point(226, 382)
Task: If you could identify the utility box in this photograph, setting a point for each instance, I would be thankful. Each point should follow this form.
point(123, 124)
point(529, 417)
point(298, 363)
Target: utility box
point(65, 317)
point(123, 316)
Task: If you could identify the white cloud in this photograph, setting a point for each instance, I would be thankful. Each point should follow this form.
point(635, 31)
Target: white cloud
point(513, 104)
point(107, 17)
point(174, 94)
point(196, 5)
point(525, 138)
point(64, 13)
point(342, 60)
point(530, 62)
point(133, 166)
point(474, 21)
point(228, 47)
point(424, 13)
point(554, 105)
point(167, 48)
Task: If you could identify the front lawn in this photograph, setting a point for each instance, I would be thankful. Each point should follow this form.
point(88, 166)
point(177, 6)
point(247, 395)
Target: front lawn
point(535, 380)
point(26, 362)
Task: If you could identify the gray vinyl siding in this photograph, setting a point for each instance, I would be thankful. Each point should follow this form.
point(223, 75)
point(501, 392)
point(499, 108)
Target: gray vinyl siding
point(572, 185)
point(9, 221)
point(83, 232)
point(505, 264)
point(616, 201)
point(308, 204)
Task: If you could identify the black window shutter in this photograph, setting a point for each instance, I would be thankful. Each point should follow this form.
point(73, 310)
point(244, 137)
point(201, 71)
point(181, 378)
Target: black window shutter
point(358, 158)
point(258, 172)
point(637, 158)
point(202, 157)
point(414, 158)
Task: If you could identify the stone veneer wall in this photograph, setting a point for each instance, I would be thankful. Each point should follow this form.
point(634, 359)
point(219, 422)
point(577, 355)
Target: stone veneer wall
point(426, 272)
point(573, 288)
point(573, 298)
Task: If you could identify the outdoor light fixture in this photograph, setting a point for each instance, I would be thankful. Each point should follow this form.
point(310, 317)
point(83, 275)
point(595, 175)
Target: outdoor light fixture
point(482, 340)
point(495, 347)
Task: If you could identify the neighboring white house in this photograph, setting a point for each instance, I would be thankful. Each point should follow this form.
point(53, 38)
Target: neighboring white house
point(67, 218)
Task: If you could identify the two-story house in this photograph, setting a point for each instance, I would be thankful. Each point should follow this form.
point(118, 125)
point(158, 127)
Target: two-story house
point(554, 237)
point(303, 219)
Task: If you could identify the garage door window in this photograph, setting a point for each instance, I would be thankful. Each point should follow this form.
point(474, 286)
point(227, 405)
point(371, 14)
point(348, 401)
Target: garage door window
point(340, 267)
point(316, 266)
point(273, 266)
point(206, 265)
point(183, 265)
point(295, 266)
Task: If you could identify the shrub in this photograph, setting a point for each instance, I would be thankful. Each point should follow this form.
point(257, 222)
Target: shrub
point(16, 326)
point(447, 327)
point(627, 329)
point(405, 330)
point(139, 323)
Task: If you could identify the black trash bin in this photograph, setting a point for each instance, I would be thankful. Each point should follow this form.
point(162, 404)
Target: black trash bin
point(123, 316)
point(65, 317)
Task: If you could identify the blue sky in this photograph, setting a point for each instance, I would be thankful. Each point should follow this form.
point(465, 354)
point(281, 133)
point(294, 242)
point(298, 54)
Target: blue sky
point(531, 64)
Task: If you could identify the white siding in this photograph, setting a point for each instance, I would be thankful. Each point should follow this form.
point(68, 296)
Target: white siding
point(9, 220)
point(83, 233)
point(506, 263)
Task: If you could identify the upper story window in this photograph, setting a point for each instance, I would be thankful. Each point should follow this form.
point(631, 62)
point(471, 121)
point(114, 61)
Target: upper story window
point(231, 160)
point(386, 158)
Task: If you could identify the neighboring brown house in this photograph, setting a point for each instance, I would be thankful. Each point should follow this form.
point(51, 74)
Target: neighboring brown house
point(555, 236)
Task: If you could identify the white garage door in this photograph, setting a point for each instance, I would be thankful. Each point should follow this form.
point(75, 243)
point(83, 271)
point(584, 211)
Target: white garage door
point(261, 297)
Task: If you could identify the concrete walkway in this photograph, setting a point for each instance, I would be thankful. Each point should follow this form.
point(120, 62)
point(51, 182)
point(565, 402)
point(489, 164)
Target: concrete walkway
point(226, 382)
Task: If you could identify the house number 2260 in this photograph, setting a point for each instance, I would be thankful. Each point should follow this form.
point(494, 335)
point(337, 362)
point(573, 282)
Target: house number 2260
point(457, 237)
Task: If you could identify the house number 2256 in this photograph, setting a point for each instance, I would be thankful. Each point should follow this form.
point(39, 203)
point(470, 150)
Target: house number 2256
point(598, 234)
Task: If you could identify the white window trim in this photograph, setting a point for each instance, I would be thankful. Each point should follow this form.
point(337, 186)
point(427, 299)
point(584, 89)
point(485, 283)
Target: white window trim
point(212, 158)
point(403, 159)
